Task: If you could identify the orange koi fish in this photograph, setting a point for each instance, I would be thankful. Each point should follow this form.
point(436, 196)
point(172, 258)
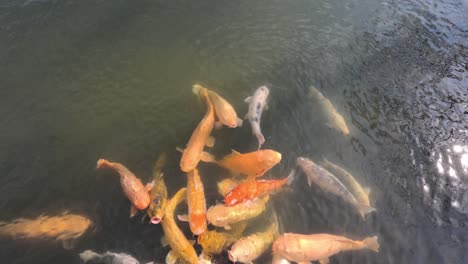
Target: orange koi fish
point(200, 136)
point(305, 248)
point(252, 164)
point(131, 186)
point(252, 189)
point(196, 203)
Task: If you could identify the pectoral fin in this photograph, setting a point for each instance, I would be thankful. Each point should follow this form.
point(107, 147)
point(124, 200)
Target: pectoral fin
point(181, 150)
point(149, 186)
point(324, 261)
point(207, 157)
point(133, 211)
point(309, 181)
point(248, 99)
point(218, 125)
point(210, 141)
point(367, 191)
point(164, 241)
point(183, 218)
point(239, 122)
point(171, 257)
point(235, 152)
point(68, 244)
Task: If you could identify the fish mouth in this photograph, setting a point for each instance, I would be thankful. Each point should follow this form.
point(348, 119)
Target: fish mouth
point(155, 220)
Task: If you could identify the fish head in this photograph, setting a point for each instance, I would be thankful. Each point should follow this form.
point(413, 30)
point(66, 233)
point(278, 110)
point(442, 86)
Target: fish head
point(270, 157)
point(303, 162)
point(263, 90)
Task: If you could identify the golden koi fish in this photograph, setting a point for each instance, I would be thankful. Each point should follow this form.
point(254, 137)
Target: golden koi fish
point(305, 248)
point(249, 248)
point(215, 242)
point(200, 136)
point(361, 194)
point(65, 228)
point(335, 120)
point(158, 192)
point(221, 215)
point(181, 247)
point(224, 111)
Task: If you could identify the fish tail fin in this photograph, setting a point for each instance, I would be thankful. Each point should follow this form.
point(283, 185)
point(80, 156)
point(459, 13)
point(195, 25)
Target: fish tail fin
point(291, 177)
point(196, 88)
point(365, 209)
point(103, 163)
point(372, 243)
point(261, 139)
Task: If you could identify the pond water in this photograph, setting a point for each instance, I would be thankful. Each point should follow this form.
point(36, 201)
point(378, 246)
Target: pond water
point(81, 80)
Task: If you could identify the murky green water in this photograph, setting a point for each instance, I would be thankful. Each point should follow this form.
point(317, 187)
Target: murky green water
point(80, 80)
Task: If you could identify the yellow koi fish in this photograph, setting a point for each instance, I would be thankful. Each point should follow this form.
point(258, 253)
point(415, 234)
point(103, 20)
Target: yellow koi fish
point(221, 215)
point(361, 194)
point(181, 247)
point(335, 119)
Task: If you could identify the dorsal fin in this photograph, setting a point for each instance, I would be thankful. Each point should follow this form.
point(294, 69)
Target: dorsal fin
point(235, 152)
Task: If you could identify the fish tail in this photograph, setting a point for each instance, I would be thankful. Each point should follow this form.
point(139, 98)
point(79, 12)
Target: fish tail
point(372, 243)
point(365, 209)
point(196, 88)
point(291, 177)
point(261, 139)
point(103, 163)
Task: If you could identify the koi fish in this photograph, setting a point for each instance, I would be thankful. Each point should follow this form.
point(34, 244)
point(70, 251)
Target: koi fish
point(181, 247)
point(328, 182)
point(249, 248)
point(200, 136)
point(215, 242)
point(65, 228)
point(158, 192)
point(305, 248)
point(226, 185)
point(335, 120)
point(224, 111)
point(196, 203)
point(251, 164)
point(256, 104)
point(131, 186)
point(221, 215)
point(361, 194)
point(252, 189)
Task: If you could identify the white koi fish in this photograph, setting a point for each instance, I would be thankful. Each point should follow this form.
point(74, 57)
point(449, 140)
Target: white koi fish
point(256, 104)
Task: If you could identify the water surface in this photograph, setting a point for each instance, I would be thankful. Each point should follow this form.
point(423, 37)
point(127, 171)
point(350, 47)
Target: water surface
point(81, 80)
